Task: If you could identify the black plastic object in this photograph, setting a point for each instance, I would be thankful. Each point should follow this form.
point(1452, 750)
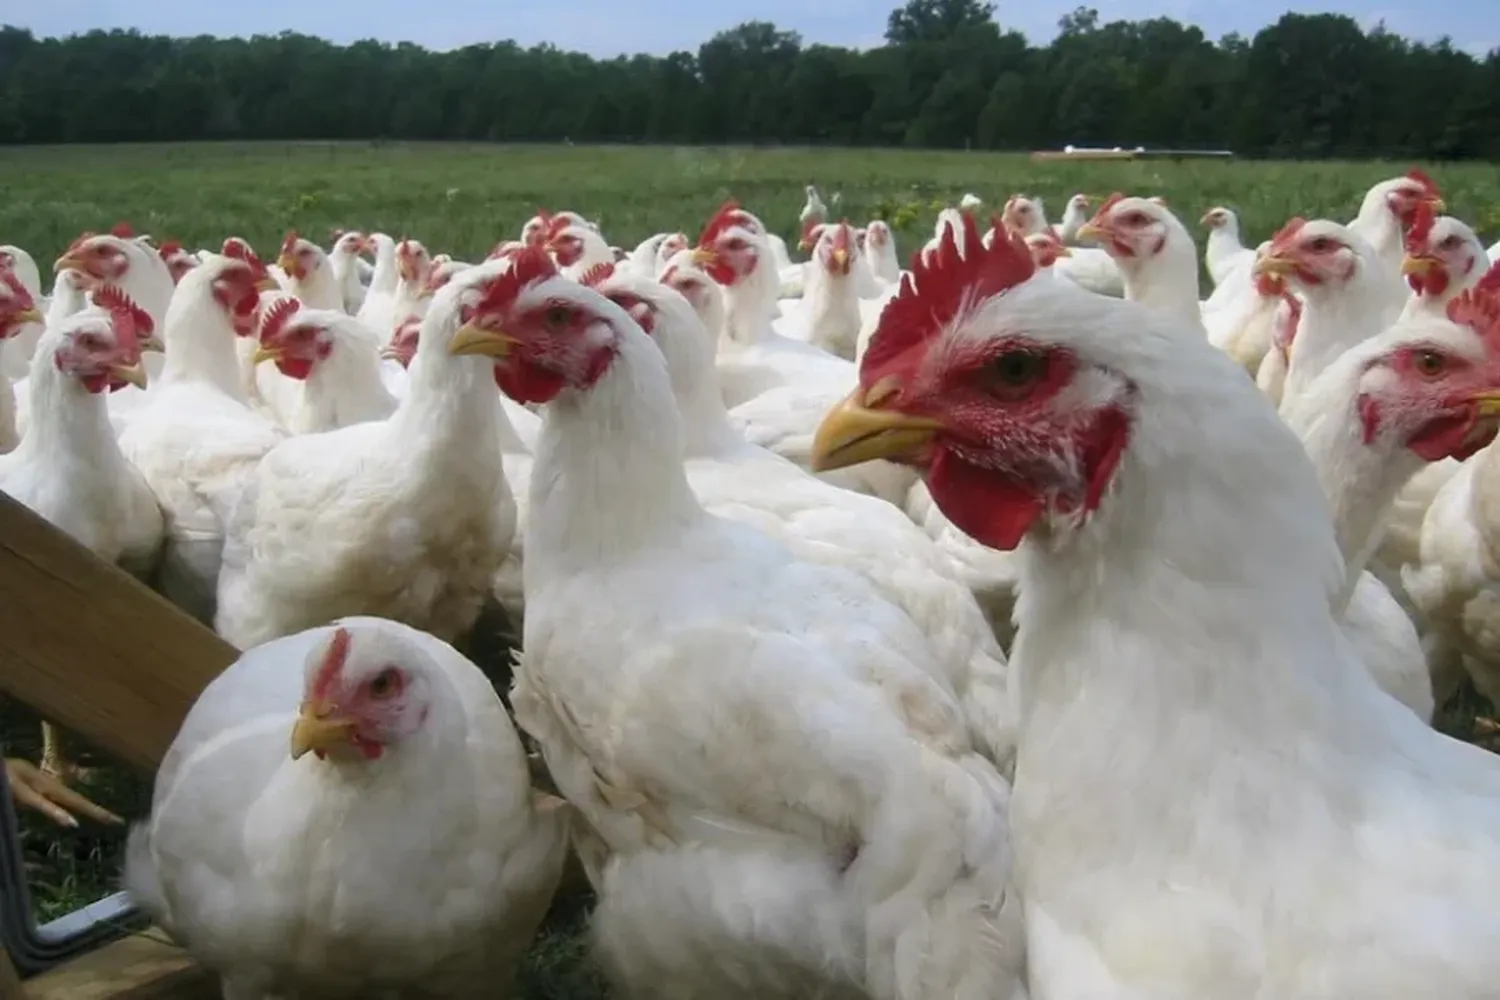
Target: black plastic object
point(33, 949)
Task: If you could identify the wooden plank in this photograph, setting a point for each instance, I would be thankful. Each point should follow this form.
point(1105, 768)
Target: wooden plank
point(144, 966)
point(10, 980)
point(88, 647)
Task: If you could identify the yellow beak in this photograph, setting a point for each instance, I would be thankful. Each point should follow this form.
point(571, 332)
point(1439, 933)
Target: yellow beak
point(704, 255)
point(68, 262)
point(151, 342)
point(1206, 216)
point(1089, 231)
point(318, 730)
point(32, 315)
point(1487, 404)
point(133, 374)
point(841, 257)
point(264, 352)
point(287, 263)
point(1064, 252)
point(471, 339)
point(266, 284)
point(854, 432)
point(1412, 264)
point(1438, 204)
point(1273, 264)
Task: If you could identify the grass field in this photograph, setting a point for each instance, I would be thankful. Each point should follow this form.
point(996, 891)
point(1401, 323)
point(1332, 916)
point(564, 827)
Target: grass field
point(461, 199)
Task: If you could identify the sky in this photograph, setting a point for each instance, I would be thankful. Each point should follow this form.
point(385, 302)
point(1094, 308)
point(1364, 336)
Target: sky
point(611, 27)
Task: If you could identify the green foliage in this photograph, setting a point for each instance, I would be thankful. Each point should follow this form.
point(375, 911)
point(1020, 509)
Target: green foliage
point(948, 77)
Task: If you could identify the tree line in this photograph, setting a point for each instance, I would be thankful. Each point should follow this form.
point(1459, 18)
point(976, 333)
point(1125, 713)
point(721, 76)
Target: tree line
point(949, 75)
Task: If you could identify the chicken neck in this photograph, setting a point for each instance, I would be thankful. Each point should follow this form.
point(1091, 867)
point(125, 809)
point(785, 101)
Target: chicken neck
point(608, 478)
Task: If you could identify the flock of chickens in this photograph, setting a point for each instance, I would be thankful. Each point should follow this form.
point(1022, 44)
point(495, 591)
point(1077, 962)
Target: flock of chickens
point(1016, 624)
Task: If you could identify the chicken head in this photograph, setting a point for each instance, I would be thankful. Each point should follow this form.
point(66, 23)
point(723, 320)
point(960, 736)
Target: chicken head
point(969, 378)
point(1217, 217)
point(178, 259)
point(402, 346)
point(877, 233)
point(1046, 249)
point(1131, 230)
point(364, 691)
point(1405, 195)
point(98, 258)
point(1313, 255)
point(726, 248)
point(352, 244)
point(235, 283)
point(835, 249)
point(17, 307)
point(1433, 384)
point(102, 345)
point(299, 257)
point(293, 338)
point(1443, 255)
point(413, 262)
point(546, 333)
point(1022, 215)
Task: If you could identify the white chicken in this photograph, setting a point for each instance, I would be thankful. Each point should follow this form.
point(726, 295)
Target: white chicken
point(860, 848)
point(194, 437)
point(1125, 457)
point(1224, 252)
point(405, 517)
point(309, 272)
point(344, 259)
point(382, 839)
point(336, 359)
point(18, 311)
point(15, 353)
point(1153, 251)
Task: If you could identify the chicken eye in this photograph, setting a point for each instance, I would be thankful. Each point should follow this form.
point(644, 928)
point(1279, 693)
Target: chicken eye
point(385, 684)
point(557, 317)
point(1321, 245)
point(1015, 372)
point(1429, 362)
point(738, 244)
point(1450, 243)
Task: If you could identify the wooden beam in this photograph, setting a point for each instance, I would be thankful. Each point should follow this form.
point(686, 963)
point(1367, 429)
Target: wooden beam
point(89, 648)
point(144, 966)
point(10, 980)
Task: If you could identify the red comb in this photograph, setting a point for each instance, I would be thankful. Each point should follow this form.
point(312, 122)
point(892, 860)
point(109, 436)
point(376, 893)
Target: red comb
point(168, 248)
point(938, 288)
point(290, 243)
point(277, 317)
point(123, 230)
point(598, 274)
point(331, 665)
point(237, 248)
point(1416, 236)
point(843, 234)
point(1287, 233)
point(504, 249)
point(529, 265)
point(1478, 308)
point(1421, 177)
point(556, 226)
point(728, 215)
point(1105, 206)
point(129, 320)
point(80, 240)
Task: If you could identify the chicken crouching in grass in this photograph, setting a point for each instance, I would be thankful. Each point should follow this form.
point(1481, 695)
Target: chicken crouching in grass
point(1213, 799)
point(346, 813)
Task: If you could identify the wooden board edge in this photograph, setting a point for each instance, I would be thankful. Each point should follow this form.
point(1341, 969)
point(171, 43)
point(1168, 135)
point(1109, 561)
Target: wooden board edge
point(143, 966)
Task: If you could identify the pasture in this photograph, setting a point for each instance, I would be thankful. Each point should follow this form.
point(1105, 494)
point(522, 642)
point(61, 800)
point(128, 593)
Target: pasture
point(461, 199)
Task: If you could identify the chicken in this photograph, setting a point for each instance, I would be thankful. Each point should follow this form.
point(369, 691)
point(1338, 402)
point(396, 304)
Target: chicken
point(344, 260)
point(69, 467)
point(382, 839)
point(1349, 292)
point(1389, 208)
point(1443, 259)
point(1075, 214)
point(753, 357)
point(179, 260)
point(16, 352)
point(1423, 391)
point(1087, 266)
point(335, 358)
point(378, 310)
point(1224, 253)
point(1127, 458)
point(310, 273)
point(814, 212)
point(1154, 253)
point(836, 830)
point(405, 517)
point(194, 436)
point(879, 248)
point(828, 315)
point(815, 520)
point(576, 245)
point(17, 311)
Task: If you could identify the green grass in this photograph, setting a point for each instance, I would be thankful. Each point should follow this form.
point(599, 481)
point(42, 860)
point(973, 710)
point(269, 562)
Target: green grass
point(462, 198)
